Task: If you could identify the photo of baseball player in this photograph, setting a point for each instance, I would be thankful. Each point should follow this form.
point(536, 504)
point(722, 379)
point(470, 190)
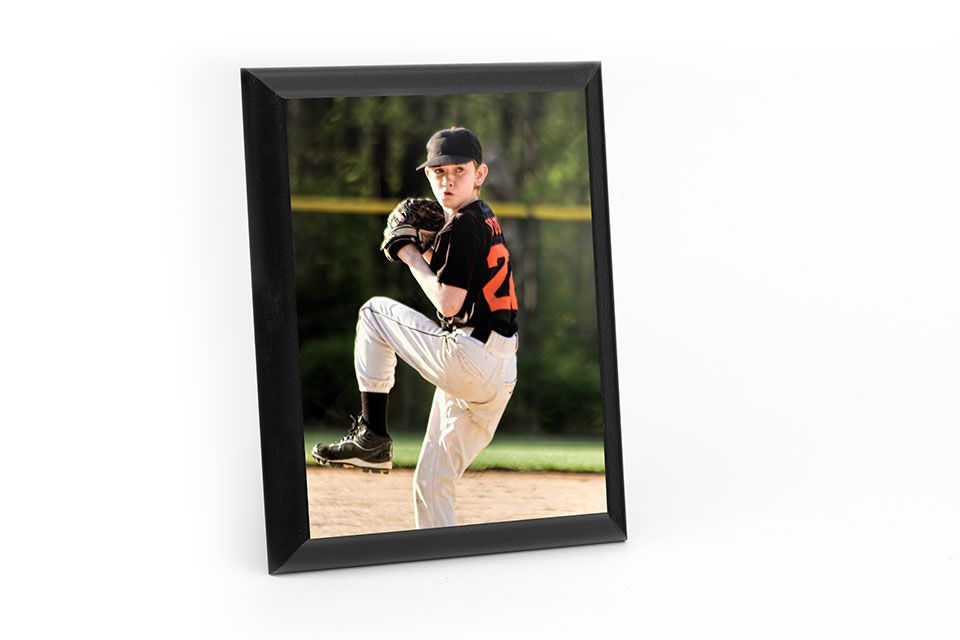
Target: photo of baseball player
point(469, 352)
point(447, 352)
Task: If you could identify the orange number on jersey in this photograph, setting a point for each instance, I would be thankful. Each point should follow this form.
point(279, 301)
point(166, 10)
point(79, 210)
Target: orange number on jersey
point(499, 256)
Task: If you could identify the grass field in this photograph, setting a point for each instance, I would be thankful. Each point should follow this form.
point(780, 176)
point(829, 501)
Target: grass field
point(509, 453)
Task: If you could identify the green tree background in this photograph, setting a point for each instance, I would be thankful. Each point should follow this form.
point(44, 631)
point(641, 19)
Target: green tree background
point(368, 148)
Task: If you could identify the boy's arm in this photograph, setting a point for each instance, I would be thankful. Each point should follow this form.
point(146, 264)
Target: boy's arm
point(446, 298)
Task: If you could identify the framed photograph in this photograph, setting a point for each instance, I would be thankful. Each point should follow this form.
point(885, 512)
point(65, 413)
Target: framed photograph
point(433, 311)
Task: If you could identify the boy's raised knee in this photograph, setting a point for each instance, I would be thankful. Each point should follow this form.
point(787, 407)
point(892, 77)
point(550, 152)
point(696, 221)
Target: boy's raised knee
point(376, 303)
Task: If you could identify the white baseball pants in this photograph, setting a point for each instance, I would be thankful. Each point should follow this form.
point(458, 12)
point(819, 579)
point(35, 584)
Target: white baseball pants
point(474, 383)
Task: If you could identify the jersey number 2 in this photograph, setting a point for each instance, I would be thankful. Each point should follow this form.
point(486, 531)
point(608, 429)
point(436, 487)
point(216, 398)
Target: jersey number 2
point(499, 257)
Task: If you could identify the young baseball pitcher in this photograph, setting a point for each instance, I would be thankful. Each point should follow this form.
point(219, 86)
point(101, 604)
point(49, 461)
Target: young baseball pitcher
point(456, 251)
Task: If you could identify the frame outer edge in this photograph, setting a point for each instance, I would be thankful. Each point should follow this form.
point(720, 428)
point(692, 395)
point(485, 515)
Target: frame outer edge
point(325, 82)
point(289, 546)
point(275, 320)
point(606, 321)
point(453, 542)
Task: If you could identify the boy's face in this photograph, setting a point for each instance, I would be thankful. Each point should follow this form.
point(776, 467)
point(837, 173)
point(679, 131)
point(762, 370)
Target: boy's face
point(455, 185)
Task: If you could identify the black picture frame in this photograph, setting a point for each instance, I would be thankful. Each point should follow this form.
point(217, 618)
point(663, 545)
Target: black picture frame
point(289, 546)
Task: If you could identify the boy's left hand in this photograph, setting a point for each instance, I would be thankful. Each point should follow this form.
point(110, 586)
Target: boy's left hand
point(413, 220)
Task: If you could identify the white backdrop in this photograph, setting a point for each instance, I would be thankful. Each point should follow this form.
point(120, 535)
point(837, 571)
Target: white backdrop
point(784, 202)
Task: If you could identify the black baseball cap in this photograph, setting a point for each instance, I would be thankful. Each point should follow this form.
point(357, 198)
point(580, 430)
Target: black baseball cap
point(452, 146)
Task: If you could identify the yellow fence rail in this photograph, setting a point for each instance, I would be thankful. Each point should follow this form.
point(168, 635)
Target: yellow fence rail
point(316, 204)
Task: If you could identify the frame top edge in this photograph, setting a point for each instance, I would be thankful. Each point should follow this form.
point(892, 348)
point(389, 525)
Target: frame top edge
point(435, 79)
point(469, 66)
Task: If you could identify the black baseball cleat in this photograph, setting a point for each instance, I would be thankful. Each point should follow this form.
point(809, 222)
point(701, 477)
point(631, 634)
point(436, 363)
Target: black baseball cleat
point(360, 448)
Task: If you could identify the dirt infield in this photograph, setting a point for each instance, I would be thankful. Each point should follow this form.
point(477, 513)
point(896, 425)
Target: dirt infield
point(347, 502)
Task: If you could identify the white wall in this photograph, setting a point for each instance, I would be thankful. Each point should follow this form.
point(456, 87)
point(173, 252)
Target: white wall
point(784, 201)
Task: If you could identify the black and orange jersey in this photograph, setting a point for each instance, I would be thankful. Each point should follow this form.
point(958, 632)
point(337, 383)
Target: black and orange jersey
point(470, 252)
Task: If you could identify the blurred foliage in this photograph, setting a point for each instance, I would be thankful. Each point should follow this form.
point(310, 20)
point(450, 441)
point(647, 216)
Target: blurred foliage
point(536, 147)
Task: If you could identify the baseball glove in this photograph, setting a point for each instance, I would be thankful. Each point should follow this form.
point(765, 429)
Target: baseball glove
point(414, 221)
